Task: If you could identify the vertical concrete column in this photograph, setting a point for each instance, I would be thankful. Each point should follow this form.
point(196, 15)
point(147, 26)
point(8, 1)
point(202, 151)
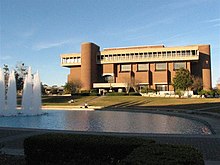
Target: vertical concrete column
point(205, 62)
point(88, 64)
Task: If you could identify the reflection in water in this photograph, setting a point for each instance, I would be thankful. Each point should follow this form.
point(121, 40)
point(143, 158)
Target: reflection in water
point(107, 121)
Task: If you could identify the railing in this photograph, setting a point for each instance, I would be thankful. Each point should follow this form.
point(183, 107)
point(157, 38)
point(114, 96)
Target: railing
point(148, 57)
point(136, 57)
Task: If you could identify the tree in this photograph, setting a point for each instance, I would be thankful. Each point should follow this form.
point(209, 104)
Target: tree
point(182, 80)
point(6, 73)
point(136, 85)
point(20, 72)
point(73, 87)
point(197, 84)
point(128, 84)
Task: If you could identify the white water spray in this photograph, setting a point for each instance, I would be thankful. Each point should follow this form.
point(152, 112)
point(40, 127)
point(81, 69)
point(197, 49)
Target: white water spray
point(31, 98)
point(11, 102)
point(2, 92)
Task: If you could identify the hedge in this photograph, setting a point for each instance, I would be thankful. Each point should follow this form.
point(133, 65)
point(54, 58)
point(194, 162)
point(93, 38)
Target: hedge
point(134, 94)
point(60, 148)
point(165, 154)
point(123, 94)
point(54, 148)
point(116, 94)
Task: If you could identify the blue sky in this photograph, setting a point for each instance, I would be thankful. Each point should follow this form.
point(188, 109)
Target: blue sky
point(36, 32)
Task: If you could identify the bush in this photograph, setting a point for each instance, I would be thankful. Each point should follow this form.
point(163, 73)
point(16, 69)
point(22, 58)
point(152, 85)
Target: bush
point(116, 94)
point(165, 154)
point(78, 149)
point(148, 90)
point(55, 148)
point(94, 94)
point(134, 94)
point(203, 92)
point(94, 91)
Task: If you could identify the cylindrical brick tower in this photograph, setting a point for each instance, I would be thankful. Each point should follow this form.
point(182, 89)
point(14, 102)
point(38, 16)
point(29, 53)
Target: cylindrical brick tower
point(88, 64)
point(205, 62)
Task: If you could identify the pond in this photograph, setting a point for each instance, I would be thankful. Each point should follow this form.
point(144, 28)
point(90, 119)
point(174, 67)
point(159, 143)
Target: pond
point(107, 121)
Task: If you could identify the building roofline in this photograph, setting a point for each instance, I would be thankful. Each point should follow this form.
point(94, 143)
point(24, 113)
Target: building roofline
point(134, 47)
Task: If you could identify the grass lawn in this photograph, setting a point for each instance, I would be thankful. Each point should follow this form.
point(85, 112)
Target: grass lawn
point(211, 104)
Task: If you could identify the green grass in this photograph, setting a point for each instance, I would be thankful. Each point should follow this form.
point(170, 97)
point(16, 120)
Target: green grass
point(212, 104)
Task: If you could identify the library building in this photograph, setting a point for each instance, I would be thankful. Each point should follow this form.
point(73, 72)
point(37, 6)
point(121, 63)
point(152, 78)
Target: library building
point(152, 66)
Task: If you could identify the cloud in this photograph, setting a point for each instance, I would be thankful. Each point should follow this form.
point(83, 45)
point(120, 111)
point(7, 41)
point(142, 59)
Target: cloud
point(215, 22)
point(212, 20)
point(47, 45)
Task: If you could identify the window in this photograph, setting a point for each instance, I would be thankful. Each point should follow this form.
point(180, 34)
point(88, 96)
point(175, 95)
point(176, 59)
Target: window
point(125, 67)
point(78, 59)
point(183, 53)
point(160, 87)
point(161, 66)
point(164, 54)
point(143, 67)
point(108, 79)
point(178, 65)
point(188, 52)
point(159, 54)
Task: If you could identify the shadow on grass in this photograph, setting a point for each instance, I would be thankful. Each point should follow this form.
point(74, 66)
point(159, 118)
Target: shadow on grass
point(212, 107)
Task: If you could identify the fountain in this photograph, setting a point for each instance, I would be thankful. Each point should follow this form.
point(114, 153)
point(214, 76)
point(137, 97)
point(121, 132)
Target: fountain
point(2, 92)
point(11, 101)
point(36, 104)
point(31, 98)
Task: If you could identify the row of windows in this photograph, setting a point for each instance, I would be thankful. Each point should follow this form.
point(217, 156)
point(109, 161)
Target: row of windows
point(158, 66)
point(147, 55)
point(71, 60)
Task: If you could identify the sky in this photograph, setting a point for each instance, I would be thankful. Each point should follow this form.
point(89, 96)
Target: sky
point(36, 32)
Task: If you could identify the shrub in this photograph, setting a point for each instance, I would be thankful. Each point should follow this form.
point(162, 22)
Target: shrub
point(94, 91)
point(179, 92)
point(116, 94)
point(165, 154)
point(203, 92)
point(148, 90)
point(59, 148)
point(55, 148)
point(94, 94)
point(134, 94)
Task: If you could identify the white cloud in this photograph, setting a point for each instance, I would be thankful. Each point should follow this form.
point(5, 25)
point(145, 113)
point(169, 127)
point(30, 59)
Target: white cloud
point(47, 45)
point(213, 20)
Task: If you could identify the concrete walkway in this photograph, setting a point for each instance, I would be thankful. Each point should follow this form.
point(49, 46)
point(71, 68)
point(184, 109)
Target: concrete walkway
point(209, 145)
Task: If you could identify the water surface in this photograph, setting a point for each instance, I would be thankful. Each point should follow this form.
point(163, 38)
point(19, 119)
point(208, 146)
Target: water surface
point(107, 121)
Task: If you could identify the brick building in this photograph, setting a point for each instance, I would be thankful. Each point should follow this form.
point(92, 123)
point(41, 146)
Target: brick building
point(152, 66)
